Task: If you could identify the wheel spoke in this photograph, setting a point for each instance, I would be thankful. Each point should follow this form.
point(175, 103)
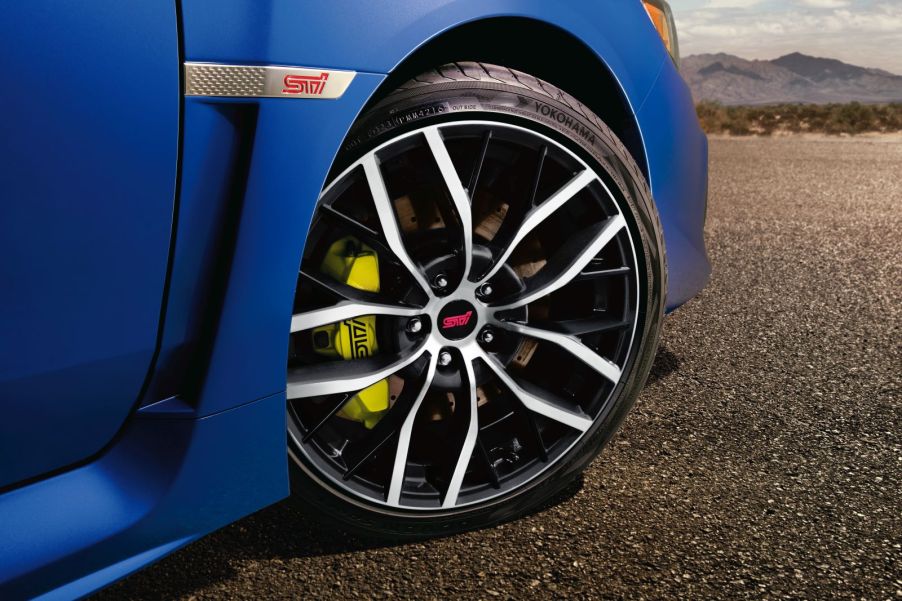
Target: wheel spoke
point(358, 452)
point(477, 167)
point(346, 310)
point(572, 345)
point(466, 451)
point(543, 154)
point(346, 376)
point(537, 436)
point(386, 212)
point(540, 213)
point(355, 227)
point(594, 274)
point(483, 454)
point(400, 464)
point(583, 326)
point(347, 222)
point(459, 195)
point(580, 421)
point(344, 292)
point(570, 266)
point(336, 406)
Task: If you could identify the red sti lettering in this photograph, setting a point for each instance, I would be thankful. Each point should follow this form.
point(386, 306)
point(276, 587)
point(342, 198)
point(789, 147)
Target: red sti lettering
point(455, 321)
point(305, 84)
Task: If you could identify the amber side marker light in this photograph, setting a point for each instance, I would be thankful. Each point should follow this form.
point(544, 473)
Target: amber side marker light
point(662, 18)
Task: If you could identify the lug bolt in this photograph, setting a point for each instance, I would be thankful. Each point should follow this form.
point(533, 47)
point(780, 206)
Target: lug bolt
point(485, 291)
point(414, 326)
point(444, 358)
point(440, 281)
point(487, 335)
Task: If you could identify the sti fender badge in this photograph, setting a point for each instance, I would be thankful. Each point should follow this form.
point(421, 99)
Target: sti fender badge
point(264, 81)
point(305, 84)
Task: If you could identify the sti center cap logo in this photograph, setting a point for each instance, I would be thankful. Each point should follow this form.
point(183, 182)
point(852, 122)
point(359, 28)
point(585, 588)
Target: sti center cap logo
point(457, 320)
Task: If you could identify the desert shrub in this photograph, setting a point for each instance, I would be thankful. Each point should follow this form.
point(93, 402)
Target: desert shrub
point(766, 123)
point(712, 116)
point(852, 118)
point(891, 116)
point(836, 119)
point(739, 122)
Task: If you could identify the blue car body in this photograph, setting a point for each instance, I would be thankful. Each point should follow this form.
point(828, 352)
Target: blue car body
point(149, 243)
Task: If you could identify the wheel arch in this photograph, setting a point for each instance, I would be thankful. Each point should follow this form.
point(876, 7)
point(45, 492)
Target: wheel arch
point(584, 74)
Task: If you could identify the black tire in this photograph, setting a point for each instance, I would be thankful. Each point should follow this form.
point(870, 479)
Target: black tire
point(472, 90)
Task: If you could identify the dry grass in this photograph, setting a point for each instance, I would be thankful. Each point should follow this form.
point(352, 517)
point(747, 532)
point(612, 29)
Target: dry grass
point(835, 119)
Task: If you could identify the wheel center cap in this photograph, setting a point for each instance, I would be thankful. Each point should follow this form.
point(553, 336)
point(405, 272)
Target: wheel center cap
point(457, 320)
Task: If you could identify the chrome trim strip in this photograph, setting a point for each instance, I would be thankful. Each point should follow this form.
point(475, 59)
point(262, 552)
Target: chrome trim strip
point(258, 81)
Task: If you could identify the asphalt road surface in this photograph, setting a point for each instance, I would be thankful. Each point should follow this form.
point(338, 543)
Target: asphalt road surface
point(763, 458)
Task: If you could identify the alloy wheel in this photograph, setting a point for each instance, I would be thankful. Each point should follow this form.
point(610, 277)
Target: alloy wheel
point(501, 325)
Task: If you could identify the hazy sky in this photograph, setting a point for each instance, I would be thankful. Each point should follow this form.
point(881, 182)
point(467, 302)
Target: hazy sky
point(862, 32)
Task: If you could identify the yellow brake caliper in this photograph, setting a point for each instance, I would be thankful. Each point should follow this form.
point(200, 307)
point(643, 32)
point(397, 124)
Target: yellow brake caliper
point(357, 265)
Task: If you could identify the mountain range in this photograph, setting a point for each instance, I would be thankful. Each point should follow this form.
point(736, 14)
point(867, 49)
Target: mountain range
point(794, 78)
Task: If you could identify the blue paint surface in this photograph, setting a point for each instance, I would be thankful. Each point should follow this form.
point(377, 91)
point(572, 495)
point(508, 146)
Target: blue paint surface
point(89, 157)
point(110, 459)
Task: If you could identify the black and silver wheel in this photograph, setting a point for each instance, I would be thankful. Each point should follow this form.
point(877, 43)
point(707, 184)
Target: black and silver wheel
point(478, 305)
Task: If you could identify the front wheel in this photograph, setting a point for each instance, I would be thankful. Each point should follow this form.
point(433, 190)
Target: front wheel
point(478, 306)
